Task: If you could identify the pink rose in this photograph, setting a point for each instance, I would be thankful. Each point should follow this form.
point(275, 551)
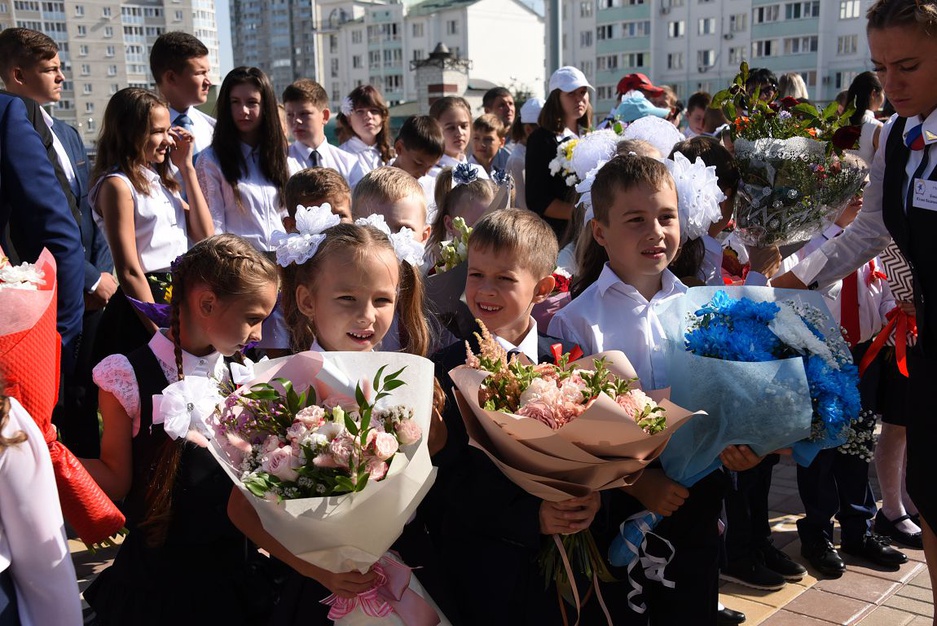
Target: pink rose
point(408, 431)
point(635, 402)
point(311, 416)
point(297, 431)
point(271, 443)
point(384, 445)
point(541, 390)
point(541, 412)
point(282, 464)
point(342, 449)
point(571, 390)
point(325, 460)
point(377, 468)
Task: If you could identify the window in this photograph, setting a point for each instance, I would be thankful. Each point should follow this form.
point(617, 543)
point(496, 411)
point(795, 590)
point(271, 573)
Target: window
point(3, 7)
point(842, 80)
point(585, 8)
point(177, 16)
point(635, 2)
point(586, 67)
point(82, 30)
point(82, 50)
point(89, 107)
point(802, 10)
point(847, 44)
point(112, 70)
point(849, 9)
point(607, 62)
point(565, 46)
point(106, 12)
point(585, 39)
point(738, 23)
point(356, 62)
point(26, 5)
point(605, 92)
point(86, 88)
point(764, 48)
point(604, 32)
point(108, 31)
point(419, 55)
point(705, 58)
point(676, 29)
point(736, 55)
point(109, 51)
point(417, 30)
point(770, 13)
point(800, 45)
point(452, 27)
point(85, 69)
point(333, 44)
point(152, 12)
point(114, 88)
point(79, 10)
point(394, 82)
point(636, 59)
point(675, 61)
point(641, 28)
point(707, 26)
point(356, 36)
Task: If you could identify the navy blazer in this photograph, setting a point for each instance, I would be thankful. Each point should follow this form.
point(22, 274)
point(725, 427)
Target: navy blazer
point(97, 253)
point(34, 206)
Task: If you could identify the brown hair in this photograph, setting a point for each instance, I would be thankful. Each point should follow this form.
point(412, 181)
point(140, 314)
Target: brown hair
point(448, 198)
point(24, 47)
point(313, 186)
point(447, 103)
point(306, 90)
point(519, 232)
point(367, 96)
point(231, 268)
point(361, 240)
point(639, 147)
point(123, 138)
point(424, 134)
point(618, 175)
point(226, 142)
point(172, 50)
point(888, 13)
point(487, 123)
point(382, 187)
point(17, 438)
point(713, 153)
point(554, 120)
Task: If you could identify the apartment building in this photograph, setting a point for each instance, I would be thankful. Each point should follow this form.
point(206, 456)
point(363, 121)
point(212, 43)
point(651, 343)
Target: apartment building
point(698, 44)
point(105, 45)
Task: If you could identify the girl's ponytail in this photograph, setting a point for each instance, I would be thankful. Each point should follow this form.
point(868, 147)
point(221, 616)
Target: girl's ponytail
point(412, 325)
point(590, 258)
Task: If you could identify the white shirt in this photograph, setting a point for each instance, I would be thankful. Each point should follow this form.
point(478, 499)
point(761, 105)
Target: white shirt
point(528, 344)
point(158, 218)
point(259, 217)
point(710, 271)
point(32, 533)
point(428, 183)
point(612, 315)
point(368, 156)
point(342, 162)
point(203, 126)
point(60, 152)
point(566, 259)
point(516, 167)
point(866, 149)
point(867, 235)
point(115, 375)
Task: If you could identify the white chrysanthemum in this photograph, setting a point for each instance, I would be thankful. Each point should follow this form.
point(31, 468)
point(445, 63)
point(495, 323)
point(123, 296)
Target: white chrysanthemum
point(790, 328)
point(593, 148)
point(698, 195)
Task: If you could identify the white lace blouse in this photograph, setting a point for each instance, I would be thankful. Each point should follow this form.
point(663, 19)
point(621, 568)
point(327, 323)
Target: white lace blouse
point(115, 375)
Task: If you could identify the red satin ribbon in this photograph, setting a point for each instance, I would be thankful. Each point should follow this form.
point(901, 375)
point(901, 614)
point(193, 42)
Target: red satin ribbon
point(901, 323)
point(390, 594)
point(557, 351)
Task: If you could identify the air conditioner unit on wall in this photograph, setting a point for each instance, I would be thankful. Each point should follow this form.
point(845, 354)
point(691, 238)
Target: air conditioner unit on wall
point(728, 36)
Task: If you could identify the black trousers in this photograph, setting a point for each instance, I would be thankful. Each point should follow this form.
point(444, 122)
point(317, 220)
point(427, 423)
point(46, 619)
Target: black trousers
point(746, 505)
point(835, 484)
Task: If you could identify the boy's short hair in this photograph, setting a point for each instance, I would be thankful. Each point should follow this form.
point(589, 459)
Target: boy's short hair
point(488, 123)
point(384, 186)
point(423, 134)
point(623, 173)
point(519, 232)
point(24, 47)
point(488, 100)
point(171, 51)
point(314, 186)
point(699, 100)
point(306, 90)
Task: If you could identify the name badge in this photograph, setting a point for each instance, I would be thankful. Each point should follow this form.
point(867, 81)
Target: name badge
point(925, 194)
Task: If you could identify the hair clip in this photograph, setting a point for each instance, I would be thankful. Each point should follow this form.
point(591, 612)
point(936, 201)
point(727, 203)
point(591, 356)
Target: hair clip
point(406, 248)
point(501, 177)
point(311, 224)
point(347, 107)
point(463, 174)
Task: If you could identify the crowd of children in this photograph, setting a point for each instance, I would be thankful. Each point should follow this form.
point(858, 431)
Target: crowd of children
point(204, 205)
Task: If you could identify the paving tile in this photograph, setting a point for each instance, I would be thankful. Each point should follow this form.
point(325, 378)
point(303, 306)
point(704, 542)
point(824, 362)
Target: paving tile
point(916, 593)
point(921, 621)
point(921, 580)
point(911, 605)
point(755, 612)
point(788, 618)
point(852, 584)
point(776, 599)
point(886, 616)
point(903, 574)
point(835, 608)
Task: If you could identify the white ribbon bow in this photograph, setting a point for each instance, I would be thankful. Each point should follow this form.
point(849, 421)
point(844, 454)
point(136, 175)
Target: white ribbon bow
point(311, 223)
point(407, 249)
point(187, 405)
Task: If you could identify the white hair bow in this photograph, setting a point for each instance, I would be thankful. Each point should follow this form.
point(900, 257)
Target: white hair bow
point(405, 246)
point(311, 224)
point(698, 195)
point(187, 405)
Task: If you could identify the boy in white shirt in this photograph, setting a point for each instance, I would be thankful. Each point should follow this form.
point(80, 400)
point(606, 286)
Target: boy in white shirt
point(307, 113)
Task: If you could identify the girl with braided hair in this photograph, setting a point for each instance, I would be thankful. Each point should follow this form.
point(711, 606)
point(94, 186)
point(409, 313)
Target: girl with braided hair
point(174, 493)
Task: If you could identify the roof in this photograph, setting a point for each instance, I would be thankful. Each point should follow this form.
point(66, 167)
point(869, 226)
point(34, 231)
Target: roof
point(432, 6)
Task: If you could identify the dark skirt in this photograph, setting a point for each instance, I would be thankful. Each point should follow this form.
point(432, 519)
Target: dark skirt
point(9, 610)
point(922, 435)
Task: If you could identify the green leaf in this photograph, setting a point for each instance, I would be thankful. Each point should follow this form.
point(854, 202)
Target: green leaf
point(359, 397)
point(363, 482)
point(376, 383)
point(831, 109)
point(344, 484)
point(350, 425)
point(395, 375)
point(393, 384)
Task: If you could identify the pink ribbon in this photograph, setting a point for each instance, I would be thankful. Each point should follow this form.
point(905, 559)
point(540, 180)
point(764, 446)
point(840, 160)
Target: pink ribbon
point(390, 594)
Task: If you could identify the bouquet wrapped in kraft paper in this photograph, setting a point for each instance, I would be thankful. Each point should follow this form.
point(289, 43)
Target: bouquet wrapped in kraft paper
point(328, 433)
point(30, 349)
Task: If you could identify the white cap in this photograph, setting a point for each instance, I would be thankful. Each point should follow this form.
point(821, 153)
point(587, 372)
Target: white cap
point(530, 112)
point(568, 78)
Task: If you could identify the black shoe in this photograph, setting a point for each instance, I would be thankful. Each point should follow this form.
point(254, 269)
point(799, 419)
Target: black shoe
point(727, 617)
point(875, 549)
point(887, 527)
point(752, 573)
point(824, 558)
point(780, 563)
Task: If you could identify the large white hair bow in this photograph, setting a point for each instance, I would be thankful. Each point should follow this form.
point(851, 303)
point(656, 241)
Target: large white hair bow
point(311, 223)
point(585, 191)
point(187, 405)
point(407, 249)
point(698, 195)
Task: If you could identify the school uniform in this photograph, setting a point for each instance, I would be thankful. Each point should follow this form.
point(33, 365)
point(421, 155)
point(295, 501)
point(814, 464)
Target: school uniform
point(897, 205)
point(201, 125)
point(612, 315)
point(302, 156)
point(369, 157)
point(542, 186)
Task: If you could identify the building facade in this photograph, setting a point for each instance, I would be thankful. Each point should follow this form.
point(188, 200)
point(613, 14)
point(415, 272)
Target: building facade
point(695, 45)
point(105, 45)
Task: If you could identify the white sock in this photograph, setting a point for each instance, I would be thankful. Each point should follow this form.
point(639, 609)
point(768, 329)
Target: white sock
point(889, 467)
